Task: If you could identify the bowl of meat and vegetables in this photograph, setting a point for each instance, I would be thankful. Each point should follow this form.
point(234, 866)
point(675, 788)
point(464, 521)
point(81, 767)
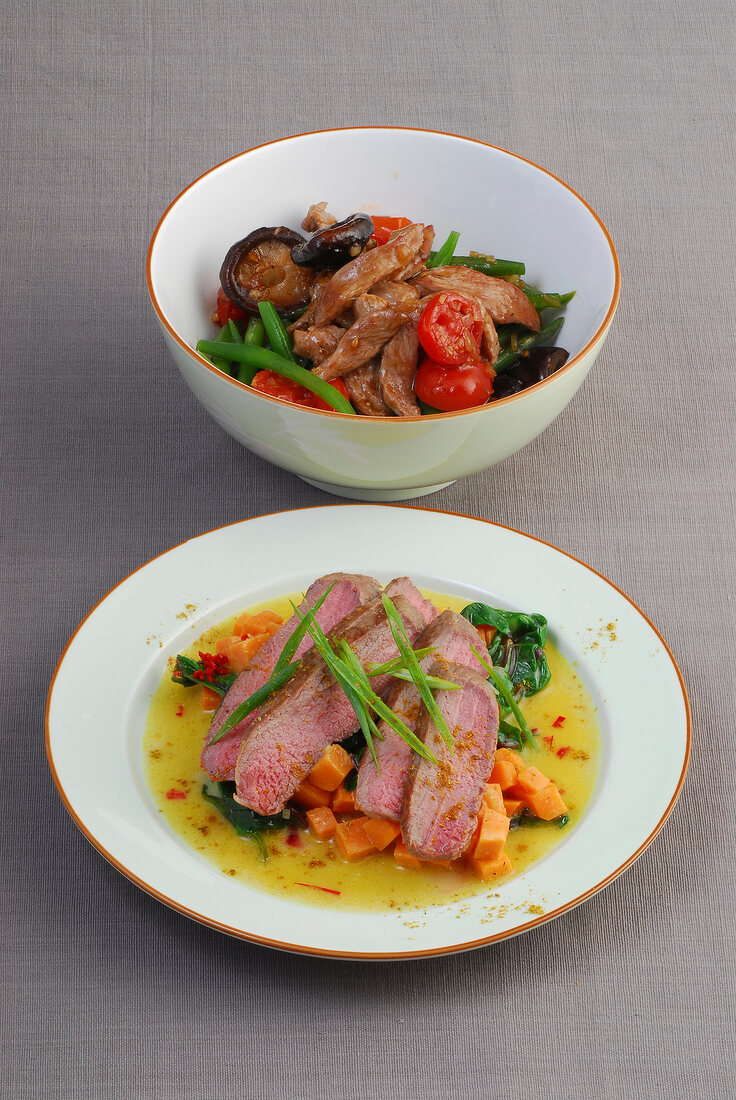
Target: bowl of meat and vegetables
point(382, 311)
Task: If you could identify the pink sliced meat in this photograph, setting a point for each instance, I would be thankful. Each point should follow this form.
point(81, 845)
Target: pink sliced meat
point(441, 801)
point(380, 793)
point(505, 302)
point(311, 712)
point(402, 586)
point(350, 590)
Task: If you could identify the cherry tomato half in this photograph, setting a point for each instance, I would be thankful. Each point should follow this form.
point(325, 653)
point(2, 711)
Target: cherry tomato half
point(384, 227)
point(225, 310)
point(450, 329)
point(451, 388)
point(275, 385)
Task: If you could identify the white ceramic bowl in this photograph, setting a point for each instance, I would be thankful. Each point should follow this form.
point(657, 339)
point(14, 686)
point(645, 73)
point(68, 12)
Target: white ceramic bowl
point(499, 202)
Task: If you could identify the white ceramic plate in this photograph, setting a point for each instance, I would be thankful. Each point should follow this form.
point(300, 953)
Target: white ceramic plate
point(94, 721)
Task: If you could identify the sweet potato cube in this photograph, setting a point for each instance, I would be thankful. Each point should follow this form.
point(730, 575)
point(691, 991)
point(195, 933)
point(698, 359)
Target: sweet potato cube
point(343, 802)
point(210, 699)
point(489, 868)
point(329, 772)
point(493, 798)
point(504, 774)
point(547, 804)
point(322, 822)
point(493, 832)
point(222, 646)
point(513, 806)
point(263, 622)
point(243, 652)
point(308, 796)
point(382, 833)
point(530, 780)
point(510, 757)
point(352, 839)
point(404, 858)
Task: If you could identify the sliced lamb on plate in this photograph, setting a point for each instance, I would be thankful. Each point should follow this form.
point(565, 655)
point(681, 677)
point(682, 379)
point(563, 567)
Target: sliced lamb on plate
point(350, 590)
point(311, 712)
point(441, 801)
point(403, 586)
point(380, 793)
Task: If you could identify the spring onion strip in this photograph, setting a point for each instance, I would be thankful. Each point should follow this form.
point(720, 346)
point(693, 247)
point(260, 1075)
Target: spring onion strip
point(263, 359)
point(368, 725)
point(255, 700)
point(369, 697)
point(396, 663)
point(287, 653)
point(445, 254)
point(416, 673)
point(436, 683)
point(513, 706)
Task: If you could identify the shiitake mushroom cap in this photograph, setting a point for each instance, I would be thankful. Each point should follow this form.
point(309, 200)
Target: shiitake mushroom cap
point(260, 269)
point(336, 244)
point(535, 366)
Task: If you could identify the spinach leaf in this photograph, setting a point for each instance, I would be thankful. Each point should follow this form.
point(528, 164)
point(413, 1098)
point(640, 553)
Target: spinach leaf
point(510, 736)
point(517, 645)
point(246, 822)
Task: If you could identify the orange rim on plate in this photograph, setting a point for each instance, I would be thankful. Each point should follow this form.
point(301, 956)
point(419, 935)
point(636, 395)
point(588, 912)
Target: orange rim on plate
point(598, 335)
point(304, 950)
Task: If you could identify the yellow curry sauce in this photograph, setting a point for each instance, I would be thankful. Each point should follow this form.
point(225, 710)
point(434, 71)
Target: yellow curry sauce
point(314, 872)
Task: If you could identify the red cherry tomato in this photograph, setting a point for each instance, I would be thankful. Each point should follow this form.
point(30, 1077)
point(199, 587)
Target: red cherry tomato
point(384, 227)
point(275, 385)
point(225, 310)
point(451, 388)
point(450, 329)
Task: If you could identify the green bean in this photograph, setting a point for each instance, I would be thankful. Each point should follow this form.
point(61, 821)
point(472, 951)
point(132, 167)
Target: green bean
point(444, 255)
point(262, 359)
point(524, 343)
point(278, 337)
point(229, 333)
point(542, 299)
point(254, 337)
point(486, 264)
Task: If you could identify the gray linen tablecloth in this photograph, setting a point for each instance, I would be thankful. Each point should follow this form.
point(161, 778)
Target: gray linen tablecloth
point(108, 111)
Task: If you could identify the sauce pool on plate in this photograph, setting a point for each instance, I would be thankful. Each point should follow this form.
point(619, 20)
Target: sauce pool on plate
point(311, 871)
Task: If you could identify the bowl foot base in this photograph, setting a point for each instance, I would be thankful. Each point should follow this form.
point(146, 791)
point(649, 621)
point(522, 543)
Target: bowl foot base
point(376, 494)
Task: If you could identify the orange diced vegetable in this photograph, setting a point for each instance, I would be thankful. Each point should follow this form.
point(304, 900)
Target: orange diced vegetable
point(308, 796)
point(530, 780)
point(210, 699)
point(352, 839)
point(487, 868)
point(343, 801)
point(329, 772)
point(547, 803)
point(382, 833)
point(513, 806)
point(404, 858)
point(322, 822)
point(263, 622)
point(504, 773)
point(493, 832)
point(493, 798)
point(511, 757)
point(243, 652)
point(222, 646)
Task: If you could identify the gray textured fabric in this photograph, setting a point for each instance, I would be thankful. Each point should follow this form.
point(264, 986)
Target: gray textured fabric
point(108, 111)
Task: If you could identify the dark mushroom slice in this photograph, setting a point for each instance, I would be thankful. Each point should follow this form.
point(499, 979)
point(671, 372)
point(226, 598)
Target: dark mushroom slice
point(336, 244)
point(260, 269)
point(533, 367)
